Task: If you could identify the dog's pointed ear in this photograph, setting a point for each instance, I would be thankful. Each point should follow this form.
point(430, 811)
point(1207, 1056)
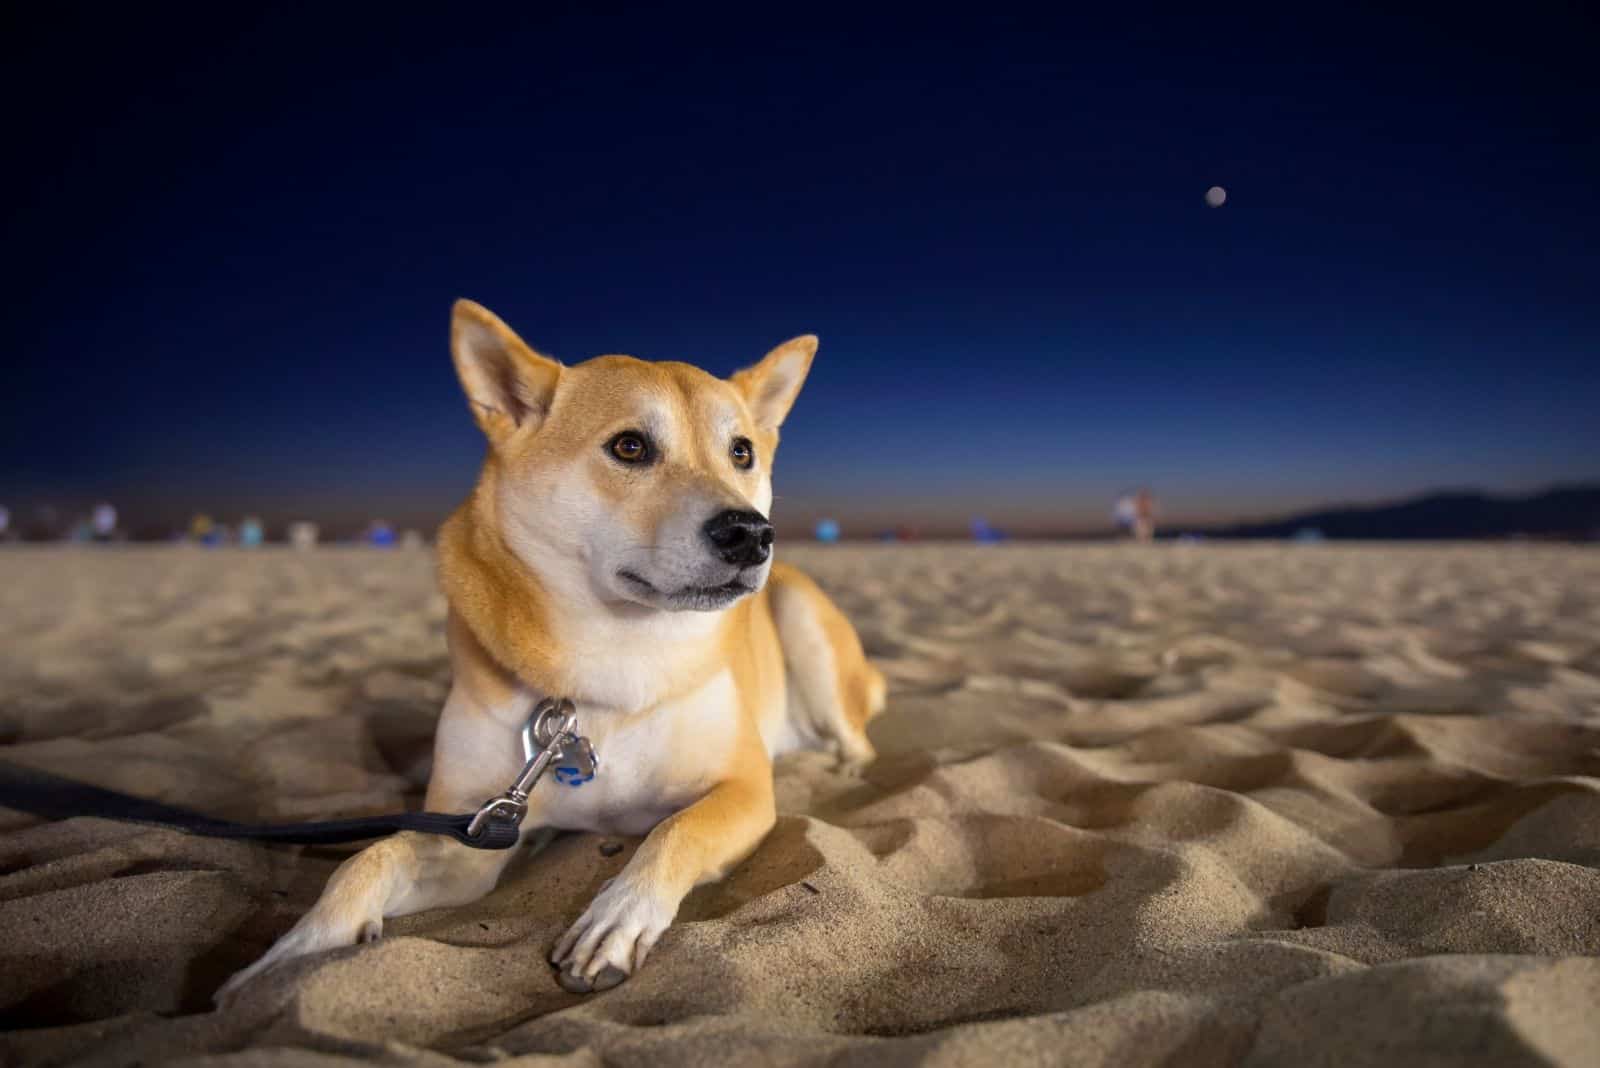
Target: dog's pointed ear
point(508, 385)
point(771, 386)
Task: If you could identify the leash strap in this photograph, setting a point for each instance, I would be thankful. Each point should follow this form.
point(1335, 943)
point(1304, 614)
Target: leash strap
point(53, 797)
point(550, 734)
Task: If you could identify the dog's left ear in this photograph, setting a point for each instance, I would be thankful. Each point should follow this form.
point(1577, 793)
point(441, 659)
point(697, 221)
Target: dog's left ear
point(507, 384)
point(771, 386)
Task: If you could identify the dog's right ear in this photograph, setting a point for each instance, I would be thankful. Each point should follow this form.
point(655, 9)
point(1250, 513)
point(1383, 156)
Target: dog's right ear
point(508, 385)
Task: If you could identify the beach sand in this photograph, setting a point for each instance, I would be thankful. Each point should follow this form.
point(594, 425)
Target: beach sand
point(1171, 805)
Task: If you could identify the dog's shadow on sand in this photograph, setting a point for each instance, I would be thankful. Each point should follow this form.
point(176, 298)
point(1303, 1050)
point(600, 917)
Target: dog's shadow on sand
point(784, 859)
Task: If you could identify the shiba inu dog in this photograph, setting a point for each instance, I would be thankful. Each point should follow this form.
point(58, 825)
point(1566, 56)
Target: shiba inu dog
point(616, 552)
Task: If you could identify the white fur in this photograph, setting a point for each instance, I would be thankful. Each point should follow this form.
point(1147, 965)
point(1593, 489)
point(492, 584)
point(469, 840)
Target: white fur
point(651, 763)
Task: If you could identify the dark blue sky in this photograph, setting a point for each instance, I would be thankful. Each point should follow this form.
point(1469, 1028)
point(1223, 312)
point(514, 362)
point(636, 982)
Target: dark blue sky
point(232, 243)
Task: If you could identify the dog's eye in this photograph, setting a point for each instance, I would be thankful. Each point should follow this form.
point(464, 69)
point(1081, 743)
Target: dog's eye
point(630, 447)
point(742, 452)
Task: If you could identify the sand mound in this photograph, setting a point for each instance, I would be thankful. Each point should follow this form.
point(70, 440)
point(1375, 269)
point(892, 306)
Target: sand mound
point(1221, 805)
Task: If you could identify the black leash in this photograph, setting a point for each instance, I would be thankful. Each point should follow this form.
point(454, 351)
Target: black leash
point(550, 735)
point(53, 797)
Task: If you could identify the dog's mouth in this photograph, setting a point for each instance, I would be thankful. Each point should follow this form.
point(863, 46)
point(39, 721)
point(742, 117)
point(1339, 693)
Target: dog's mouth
point(694, 598)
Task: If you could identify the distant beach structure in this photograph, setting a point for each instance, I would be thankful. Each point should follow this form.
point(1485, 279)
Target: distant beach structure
point(103, 522)
point(985, 534)
point(412, 539)
point(827, 531)
point(303, 535)
point(251, 534)
point(380, 534)
point(1124, 512)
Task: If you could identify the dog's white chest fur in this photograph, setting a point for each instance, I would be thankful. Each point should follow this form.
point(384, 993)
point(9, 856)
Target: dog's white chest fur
point(652, 763)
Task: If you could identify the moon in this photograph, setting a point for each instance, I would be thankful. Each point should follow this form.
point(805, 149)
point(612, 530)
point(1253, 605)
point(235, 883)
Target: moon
point(1216, 196)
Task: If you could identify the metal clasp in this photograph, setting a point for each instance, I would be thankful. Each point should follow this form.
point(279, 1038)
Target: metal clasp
point(551, 727)
point(550, 719)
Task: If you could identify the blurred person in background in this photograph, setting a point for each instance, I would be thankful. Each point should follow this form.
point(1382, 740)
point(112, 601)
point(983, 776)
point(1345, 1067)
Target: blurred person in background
point(1144, 516)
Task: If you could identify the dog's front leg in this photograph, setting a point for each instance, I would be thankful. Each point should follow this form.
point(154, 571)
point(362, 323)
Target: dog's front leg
point(697, 845)
point(476, 753)
point(403, 874)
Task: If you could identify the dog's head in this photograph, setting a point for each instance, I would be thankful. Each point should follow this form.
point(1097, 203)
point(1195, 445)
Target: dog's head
point(647, 483)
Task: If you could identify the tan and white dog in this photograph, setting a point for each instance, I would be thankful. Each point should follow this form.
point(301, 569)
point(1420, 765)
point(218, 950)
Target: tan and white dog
point(616, 551)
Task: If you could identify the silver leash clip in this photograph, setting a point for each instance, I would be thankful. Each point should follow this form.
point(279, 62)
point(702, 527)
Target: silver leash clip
point(550, 736)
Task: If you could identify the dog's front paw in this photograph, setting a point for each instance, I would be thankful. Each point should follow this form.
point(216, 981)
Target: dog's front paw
point(613, 936)
point(851, 755)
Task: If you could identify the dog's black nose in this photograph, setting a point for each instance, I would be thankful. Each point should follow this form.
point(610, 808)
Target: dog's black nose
point(743, 538)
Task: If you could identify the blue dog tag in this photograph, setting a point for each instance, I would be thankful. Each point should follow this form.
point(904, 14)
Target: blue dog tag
point(568, 775)
point(576, 763)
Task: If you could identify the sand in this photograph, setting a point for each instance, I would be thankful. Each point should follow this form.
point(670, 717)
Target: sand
point(1175, 805)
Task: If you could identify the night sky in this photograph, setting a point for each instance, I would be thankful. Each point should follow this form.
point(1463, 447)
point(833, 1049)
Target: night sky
point(232, 242)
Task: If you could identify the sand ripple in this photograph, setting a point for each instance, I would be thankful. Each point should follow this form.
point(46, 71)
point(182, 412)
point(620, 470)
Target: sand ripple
point(1220, 805)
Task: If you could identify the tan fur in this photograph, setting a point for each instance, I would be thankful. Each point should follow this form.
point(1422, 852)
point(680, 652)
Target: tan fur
point(861, 686)
point(498, 603)
point(571, 574)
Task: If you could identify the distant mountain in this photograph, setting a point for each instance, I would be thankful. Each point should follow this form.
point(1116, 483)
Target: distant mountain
point(1561, 512)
